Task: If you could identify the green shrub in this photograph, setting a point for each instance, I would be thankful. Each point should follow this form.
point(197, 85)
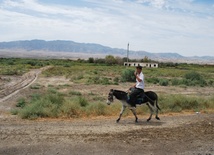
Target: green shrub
point(75, 93)
point(71, 109)
point(210, 83)
point(177, 103)
point(35, 97)
point(193, 79)
point(105, 81)
point(97, 109)
point(83, 102)
point(45, 106)
point(95, 72)
point(14, 111)
point(152, 80)
point(128, 75)
point(21, 103)
point(176, 82)
point(116, 79)
point(52, 90)
point(35, 86)
point(163, 82)
point(193, 76)
point(99, 98)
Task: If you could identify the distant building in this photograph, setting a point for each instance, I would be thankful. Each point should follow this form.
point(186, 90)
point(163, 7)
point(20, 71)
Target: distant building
point(143, 64)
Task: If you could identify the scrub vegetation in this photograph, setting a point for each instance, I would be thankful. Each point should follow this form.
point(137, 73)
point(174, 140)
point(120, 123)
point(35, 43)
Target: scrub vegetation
point(65, 102)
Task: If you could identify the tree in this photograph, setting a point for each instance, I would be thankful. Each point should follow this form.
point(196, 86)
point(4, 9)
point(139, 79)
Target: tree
point(110, 60)
point(145, 59)
point(119, 60)
point(91, 60)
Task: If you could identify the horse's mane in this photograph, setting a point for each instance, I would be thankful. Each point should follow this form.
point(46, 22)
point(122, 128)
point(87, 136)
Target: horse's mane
point(120, 91)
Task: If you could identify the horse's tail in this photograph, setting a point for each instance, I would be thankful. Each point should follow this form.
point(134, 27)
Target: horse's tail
point(157, 103)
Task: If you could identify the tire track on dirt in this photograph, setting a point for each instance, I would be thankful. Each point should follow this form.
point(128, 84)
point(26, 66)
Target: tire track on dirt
point(26, 80)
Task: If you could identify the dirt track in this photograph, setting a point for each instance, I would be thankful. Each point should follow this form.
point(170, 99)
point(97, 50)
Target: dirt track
point(187, 134)
point(174, 134)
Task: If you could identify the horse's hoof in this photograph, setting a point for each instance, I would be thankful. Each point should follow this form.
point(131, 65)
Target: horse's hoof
point(148, 119)
point(117, 120)
point(157, 118)
point(136, 121)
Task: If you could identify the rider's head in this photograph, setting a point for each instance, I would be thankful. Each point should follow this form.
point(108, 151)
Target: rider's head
point(139, 69)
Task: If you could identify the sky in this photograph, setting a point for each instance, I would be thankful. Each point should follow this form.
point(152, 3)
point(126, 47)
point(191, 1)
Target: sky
point(185, 27)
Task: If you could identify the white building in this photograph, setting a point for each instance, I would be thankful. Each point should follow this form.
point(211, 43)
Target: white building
point(143, 64)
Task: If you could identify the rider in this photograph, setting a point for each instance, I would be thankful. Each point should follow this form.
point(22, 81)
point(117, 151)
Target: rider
point(138, 88)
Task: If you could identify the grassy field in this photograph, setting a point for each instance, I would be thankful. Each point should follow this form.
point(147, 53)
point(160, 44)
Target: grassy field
point(65, 102)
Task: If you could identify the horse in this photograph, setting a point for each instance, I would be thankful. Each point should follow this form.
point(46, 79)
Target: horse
point(149, 98)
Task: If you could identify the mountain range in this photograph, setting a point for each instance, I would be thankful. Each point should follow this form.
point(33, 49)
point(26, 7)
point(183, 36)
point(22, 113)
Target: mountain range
point(67, 49)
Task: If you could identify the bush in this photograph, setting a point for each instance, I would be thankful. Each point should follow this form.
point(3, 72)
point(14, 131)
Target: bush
point(83, 102)
point(116, 79)
point(110, 60)
point(71, 109)
point(21, 103)
point(35, 86)
point(210, 83)
point(177, 103)
point(14, 111)
point(176, 82)
point(44, 106)
point(194, 79)
point(90, 60)
point(97, 109)
point(152, 80)
point(128, 75)
point(163, 82)
point(193, 76)
point(105, 81)
point(75, 93)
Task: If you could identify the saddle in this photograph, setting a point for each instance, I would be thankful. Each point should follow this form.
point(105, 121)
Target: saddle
point(140, 98)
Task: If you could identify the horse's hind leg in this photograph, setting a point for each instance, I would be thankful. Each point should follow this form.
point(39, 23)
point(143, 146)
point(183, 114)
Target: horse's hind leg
point(151, 112)
point(134, 113)
point(156, 106)
point(121, 113)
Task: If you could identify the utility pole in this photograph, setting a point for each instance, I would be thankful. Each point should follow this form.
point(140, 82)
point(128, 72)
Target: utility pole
point(127, 53)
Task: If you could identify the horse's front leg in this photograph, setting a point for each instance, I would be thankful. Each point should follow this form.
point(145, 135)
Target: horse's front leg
point(133, 109)
point(121, 113)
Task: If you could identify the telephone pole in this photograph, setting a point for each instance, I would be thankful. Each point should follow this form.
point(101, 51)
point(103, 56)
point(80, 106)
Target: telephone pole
point(128, 52)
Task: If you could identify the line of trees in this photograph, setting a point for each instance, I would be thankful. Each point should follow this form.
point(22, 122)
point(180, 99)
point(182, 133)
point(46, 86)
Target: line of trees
point(111, 60)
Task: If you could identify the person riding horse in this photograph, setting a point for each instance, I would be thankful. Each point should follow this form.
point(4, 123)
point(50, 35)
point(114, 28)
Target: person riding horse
point(138, 88)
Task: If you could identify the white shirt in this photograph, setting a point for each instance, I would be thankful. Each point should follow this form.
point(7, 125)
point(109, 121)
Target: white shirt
point(140, 84)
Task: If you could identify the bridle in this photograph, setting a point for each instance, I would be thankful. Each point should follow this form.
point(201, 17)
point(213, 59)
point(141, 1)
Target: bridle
point(111, 96)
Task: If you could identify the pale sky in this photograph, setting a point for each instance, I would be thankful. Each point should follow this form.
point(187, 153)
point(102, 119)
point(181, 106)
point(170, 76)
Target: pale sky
point(158, 26)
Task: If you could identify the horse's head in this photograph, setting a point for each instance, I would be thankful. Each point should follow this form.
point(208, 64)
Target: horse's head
point(110, 97)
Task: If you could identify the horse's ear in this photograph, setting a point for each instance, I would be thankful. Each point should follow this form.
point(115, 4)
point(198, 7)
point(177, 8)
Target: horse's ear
point(111, 90)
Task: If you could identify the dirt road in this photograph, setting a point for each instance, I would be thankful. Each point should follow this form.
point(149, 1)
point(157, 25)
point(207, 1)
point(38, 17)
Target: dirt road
point(11, 88)
point(182, 134)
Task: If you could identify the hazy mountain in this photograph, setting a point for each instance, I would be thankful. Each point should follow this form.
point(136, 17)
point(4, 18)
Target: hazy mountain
point(92, 49)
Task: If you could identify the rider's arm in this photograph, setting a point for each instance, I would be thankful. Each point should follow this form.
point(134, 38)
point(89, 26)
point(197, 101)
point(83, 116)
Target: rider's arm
point(133, 86)
point(138, 77)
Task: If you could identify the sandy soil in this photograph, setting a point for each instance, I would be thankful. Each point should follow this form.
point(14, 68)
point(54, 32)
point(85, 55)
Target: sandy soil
point(181, 134)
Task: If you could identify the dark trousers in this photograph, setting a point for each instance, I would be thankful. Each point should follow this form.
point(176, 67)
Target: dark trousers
point(133, 95)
